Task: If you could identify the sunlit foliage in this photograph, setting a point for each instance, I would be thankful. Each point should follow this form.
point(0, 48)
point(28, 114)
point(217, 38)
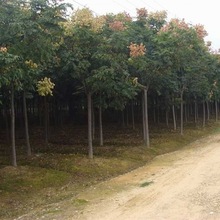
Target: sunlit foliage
point(85, 18)
point(137, 50)
point(45, 87)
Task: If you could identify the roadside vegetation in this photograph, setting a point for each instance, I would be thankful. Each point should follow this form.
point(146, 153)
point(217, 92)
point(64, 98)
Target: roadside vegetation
point(59, 172)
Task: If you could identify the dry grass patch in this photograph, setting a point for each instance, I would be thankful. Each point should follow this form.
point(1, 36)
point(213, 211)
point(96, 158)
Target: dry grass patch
point(60, 172)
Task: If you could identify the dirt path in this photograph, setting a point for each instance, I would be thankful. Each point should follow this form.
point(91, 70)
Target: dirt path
point(184, 185)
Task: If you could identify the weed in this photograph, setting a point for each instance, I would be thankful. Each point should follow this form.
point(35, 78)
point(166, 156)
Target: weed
point(147, 183)
point(79, 202)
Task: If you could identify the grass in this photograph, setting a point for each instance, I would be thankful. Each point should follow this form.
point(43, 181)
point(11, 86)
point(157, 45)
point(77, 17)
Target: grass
point(61, 170)
point(30, 178)
point(79, 202)
point(147, 183)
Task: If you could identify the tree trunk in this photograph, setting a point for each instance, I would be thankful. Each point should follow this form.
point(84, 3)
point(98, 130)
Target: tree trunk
point(167, 118)
point(127, 116)
point(188, 110)
point(132, 115)
point(154, 114)
point(33, 104)
point(14, 159)
point(93, 122)
point(144, 120)
point(100, 126)
point(186, 117)
point(174, 118)
point(195, 114)
point(123, 118)
point(46, 120)
point(147, 141)
point(89, 102)
point(191, 109)
point(208, 110)
point(28, 147)
point(204, 115)
point(7, 124)
point(158, 112)
point(181, 113)
point(216, 110)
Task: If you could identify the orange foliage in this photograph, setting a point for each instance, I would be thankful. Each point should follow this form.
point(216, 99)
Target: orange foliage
point(142, 13)
point(137, 50)
point(200, 30)
point(117, 26)
point(174, 24)
point(158, 15)
point(85, 18)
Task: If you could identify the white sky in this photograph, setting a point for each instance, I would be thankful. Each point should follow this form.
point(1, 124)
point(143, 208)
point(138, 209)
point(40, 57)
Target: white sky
point(204, 12)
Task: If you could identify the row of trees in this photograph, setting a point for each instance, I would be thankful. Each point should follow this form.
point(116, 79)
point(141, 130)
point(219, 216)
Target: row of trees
point(111, 59)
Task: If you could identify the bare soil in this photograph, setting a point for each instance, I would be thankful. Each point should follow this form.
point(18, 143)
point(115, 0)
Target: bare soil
point(183, 185)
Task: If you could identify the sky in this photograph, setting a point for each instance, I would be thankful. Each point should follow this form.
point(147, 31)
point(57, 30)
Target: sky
point(203, 12)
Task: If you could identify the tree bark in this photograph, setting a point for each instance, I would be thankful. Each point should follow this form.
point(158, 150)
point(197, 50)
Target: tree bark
point(127, 115)
point(123, 118)
point(132, 115)
point(100, 126)
point(147, 141)
point(14, 158)
point(7, 124)
point(154, 111)
point(144, 119)
point(195, 113)
point(90, 147)
point(204, 115)
point(46, 120)
point(186, 116)
point(181, 113)
point(28, 147)
point(174, 118)
point(158, 112)
point(216, 110)
point(167, 118)
point(208, 110)
point(93, 122)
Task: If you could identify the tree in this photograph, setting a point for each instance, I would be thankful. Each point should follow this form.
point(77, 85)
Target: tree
point(97, 58)
point(144, 57)
point(113, 80)
point(30, 33)
point(9, 76)
point(183, 44)
point(45, 88)
point(81, 42)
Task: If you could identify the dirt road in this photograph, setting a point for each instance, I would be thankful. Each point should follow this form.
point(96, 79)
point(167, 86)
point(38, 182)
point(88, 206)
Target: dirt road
point(183, 185)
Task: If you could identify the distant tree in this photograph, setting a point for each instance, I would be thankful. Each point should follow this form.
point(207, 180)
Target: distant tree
point(143, 56)
point(183, 43)
point(112, 78)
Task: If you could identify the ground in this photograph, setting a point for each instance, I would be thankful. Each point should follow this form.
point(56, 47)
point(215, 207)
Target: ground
point(181, 185)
